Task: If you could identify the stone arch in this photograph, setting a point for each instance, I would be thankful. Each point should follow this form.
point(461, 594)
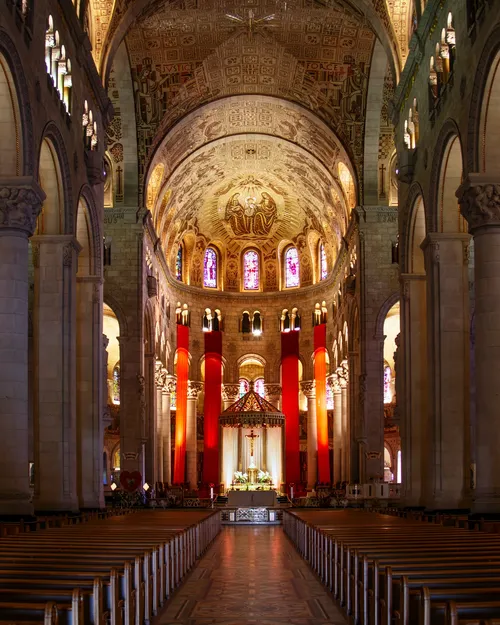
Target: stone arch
point(412, 257)
point(383, 311)
point(112, 302)
point(87, 200)
point(14, 77)
point(447, 175)
point(484, 94)
point(53, 164)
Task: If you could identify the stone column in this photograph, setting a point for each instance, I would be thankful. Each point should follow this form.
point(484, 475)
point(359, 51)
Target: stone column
point(166, 428)
point(343, 377)
point(333, 381)
point(20, 204)
point(132, 404)
point(413, 403)
point(448, 322)
point(479, 199)
point(160, 375)
point(309, 390)
point(194, 389)
point(89, 391)
point(54, 390)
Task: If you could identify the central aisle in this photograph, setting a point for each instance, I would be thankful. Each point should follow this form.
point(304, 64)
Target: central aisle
point(251, 575)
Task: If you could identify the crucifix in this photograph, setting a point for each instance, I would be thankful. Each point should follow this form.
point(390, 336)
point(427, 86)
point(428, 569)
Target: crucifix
point(251, 437)
point(119, 190)
point(382, 181)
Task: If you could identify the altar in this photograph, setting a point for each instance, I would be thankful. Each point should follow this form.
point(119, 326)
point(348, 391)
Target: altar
point(251, 498)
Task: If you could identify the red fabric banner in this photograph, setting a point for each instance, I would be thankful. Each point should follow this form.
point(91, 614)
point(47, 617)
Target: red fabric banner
point(182, 372)
point(290, 404)
point(321, 413)
point(213, 400)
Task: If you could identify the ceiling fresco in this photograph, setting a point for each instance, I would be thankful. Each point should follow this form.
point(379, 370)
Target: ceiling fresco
point(313, 56)
point(257, 188)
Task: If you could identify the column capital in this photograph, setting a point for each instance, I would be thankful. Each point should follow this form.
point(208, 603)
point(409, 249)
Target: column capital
point(343, 374)
point(333, 382)
point(273, 391)
point(479, 199)
point(230, 392)
point(21, 201)
point(170, 383)
point(194, 389)
point(308, 387)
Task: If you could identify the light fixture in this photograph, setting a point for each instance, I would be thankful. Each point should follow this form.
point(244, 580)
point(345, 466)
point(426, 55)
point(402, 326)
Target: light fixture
point(146, 486)
point(113, 486)
point(257, 332)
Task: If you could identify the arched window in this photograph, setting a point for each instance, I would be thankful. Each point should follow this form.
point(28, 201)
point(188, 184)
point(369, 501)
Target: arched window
point(116, 384)
point(251, 277)
point(323, 267)
point(244, 386)
point(245, 322)
point(178, 264)
point(259, 386)
point(256, 324)
point(292, 273)
point(104, 468)
point(210, 269)
point(387, 385)
point(116, 460)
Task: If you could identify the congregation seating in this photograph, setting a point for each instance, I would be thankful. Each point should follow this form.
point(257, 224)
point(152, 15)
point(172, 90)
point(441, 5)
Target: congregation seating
point(385, 570)
point(117, 571)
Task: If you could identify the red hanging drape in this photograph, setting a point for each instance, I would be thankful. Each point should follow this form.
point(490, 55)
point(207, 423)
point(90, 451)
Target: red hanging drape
point(181, 409)
point(321, 414)
point(213, 399)
point(290, 404)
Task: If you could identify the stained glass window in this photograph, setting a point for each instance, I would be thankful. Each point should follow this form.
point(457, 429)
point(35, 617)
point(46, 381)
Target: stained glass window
point(322, 260)
point(387, 385)
point(251, 271)
point(178, 264)
point(244, 386)
point(329, 397)
point(116, 385)
point(291, 267)
point(173, 400)
point(210, 269)
point(259, 386)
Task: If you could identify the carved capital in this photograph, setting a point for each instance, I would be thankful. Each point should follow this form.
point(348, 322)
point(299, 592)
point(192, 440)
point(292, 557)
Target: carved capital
point(308, 387)
point(343, 374)
point(68, 251)
point(158, 374)
point(272, 391)
point(20, 204)
point(194, 389)
point(333, 382)
point(479, 199)
point(230, 392)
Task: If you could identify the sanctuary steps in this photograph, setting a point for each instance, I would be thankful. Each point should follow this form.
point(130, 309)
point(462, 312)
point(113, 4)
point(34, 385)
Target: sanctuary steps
point(117, 571)
point(386, 570)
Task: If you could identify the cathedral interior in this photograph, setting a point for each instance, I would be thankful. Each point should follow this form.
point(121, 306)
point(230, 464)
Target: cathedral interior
point(249, 244)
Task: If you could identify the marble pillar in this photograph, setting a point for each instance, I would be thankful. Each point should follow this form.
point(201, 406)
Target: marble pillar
point(89, 391)
point(413, 401)
point(447, 452)
point(54, 381)
point(343, 378)
point(308, 388)
point(194, 389)
point(20, 201)
point(230, 393)
point(333, 381)
point(166, 428)
point(479, 199)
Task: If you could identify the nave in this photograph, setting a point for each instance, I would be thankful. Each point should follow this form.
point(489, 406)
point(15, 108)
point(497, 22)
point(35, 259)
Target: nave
point(250, 575)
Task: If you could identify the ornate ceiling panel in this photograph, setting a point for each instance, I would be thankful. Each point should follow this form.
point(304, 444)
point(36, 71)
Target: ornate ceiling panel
point(250, 188)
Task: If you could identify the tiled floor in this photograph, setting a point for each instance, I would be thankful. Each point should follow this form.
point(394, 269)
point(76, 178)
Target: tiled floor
point(251, 575)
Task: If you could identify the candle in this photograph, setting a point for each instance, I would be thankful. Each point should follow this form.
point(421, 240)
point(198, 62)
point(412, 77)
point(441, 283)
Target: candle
point(291, 492)
point(211, 492)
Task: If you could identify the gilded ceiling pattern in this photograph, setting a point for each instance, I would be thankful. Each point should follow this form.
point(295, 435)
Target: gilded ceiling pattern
point(317, 57)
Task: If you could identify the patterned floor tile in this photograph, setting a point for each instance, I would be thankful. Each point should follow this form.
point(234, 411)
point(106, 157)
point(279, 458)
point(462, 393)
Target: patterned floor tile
point(251, 575)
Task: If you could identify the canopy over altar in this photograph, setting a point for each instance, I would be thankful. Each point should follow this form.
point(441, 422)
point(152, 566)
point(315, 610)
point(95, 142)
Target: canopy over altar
point(252, 444)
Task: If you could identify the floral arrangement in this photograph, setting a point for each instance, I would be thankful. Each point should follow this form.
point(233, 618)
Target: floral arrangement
point(264, 477)
point(240, 478)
